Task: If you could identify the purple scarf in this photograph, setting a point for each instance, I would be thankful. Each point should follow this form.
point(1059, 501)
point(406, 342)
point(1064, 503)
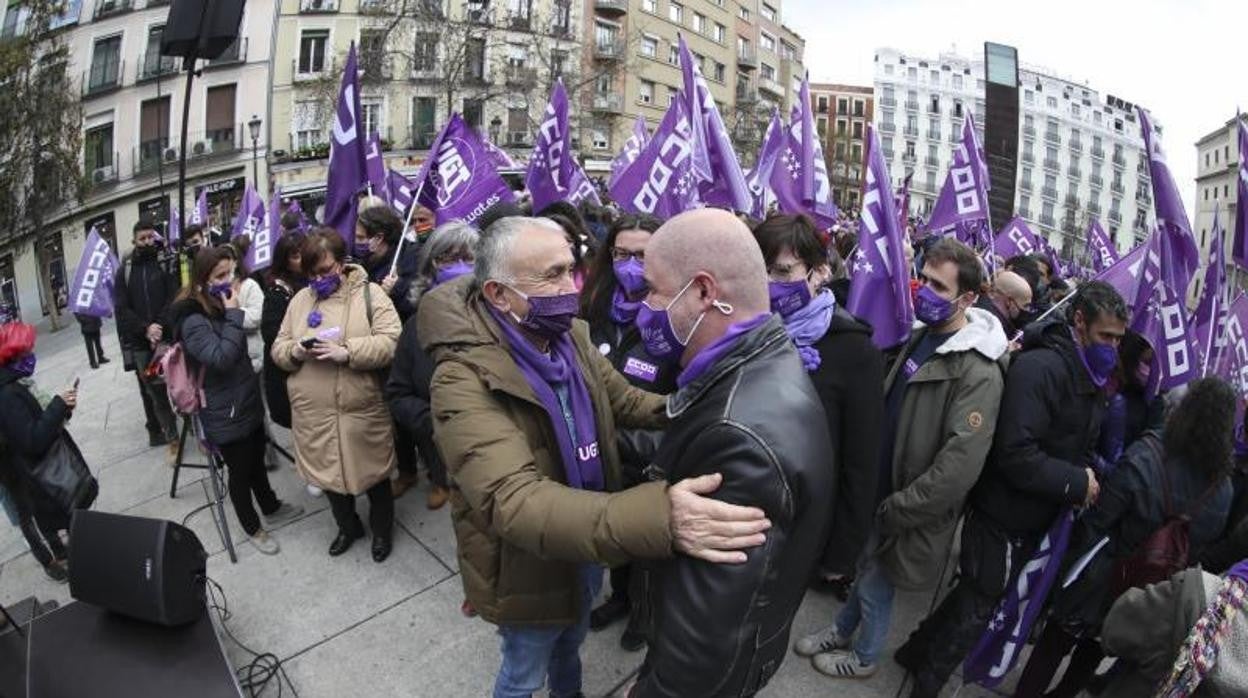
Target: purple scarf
point(546, 373)
point(716, 350)
point(623, 311)
point(808, 325)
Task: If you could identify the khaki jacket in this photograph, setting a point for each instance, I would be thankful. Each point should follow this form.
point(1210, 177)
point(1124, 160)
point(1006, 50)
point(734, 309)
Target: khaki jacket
point(522, 533)
point(342, 428)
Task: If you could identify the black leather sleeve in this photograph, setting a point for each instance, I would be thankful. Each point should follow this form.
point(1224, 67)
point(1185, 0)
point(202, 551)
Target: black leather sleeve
point(710, 636)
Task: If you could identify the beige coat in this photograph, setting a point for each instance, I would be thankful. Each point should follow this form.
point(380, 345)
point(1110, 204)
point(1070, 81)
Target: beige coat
point(342, 429)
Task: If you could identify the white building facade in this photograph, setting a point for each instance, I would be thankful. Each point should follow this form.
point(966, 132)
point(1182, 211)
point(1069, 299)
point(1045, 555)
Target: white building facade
point(1081, 155)
point(1217, 170)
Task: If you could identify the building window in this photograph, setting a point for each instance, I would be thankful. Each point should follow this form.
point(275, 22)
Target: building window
point(219, 115)
point(474, 112)
point(857, 130)
point(859, 107)
point(651, 6)
point(855, 152)
point(719, 33)
point(743, 12)
point(912, 74)
point(957, 81)
point(888, 68)
point(767, 72)
point(720, 73)
point(769, 12)
point(558, 63)
point(1029, 97)
point(822, 104)
point(372, 51)
point(98, 152)
point(1051, 102)
point(676, 13)
point(673, 55)
point(767, 41)
point(935, 78)
point(649, 46)
point(645, 92)
point(672, 94)
point(105, 62)
point(371, 116)
point(307, 124)
point(821, 127)
point(153, 130)
point(475, 50)
point(842, 106)
point(600, 140)
point(699, 23)
point(312, 50)
point(425, 56)
point(841, 125)
point(424, 126)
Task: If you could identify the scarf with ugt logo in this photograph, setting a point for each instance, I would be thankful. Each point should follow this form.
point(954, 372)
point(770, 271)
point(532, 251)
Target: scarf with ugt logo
point(458, 181)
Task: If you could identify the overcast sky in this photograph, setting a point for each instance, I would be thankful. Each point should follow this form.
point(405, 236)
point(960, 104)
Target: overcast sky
point(1185, 61)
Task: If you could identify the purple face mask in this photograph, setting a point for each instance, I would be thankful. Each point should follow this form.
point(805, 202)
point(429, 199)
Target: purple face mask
point(629, 274)
point(325, 286)
point(25, 366)
point(788, 297)
point(930, 309)
point(451, 272)
point(1100, 360)
point(549, 317)
point(222, 290)
point(657, 334)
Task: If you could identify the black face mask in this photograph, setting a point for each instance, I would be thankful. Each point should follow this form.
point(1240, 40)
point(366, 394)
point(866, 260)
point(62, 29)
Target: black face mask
point(145, 252)
point(191, 251)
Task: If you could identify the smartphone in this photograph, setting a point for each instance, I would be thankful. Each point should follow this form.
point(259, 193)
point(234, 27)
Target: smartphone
point(307, 342)
point(76, 382)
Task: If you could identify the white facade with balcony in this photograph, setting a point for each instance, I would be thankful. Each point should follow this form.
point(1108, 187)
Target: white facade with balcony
point(1081, 154)
point(1217, 171)
point(132, 126)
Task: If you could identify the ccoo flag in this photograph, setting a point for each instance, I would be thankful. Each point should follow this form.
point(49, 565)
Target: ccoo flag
point(1211, 309)
point(1160, 317)
point(91, 293)
point(1181, 254)
point(347, 169)
point(722, 183)
point(551, 172)
point(632, 148)
point(661, 180)
point(759, 178)
point(1239, 249)
point(264, 238)
point(963, 200)
point(459, 181)
point(1016, 239)
point(879, 290)
point(800, 177)
point(1101, 249)
point(251, 214)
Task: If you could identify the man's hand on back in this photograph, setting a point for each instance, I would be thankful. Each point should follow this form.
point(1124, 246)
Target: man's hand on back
point(709, 529)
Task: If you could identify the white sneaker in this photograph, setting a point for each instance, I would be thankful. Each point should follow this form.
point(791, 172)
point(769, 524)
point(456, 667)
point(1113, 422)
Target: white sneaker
point(284, 514)
point(843, 664)
point(265, 543)
point(825, 640)
point(315, 491)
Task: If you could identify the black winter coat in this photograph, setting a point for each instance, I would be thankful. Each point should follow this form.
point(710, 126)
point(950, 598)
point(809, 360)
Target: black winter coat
point(277, 297)
point(89, 324)
point(755, 417)
point(1046, 435)
point(142, 294)
point(29, 432)
point(407, 393)
point(233, 409)
point(850, 383)
point(406, 273)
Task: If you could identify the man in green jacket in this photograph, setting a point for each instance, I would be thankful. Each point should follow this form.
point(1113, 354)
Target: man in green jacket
point(941, 399)
point(525, 411)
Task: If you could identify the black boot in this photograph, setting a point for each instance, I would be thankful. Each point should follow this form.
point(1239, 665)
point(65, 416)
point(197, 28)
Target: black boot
point(345, 538)
point(613, 609)
point(381, 547)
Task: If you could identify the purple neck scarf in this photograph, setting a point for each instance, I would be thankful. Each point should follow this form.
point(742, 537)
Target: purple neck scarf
point(716, 350)
point(808, 325)
point(1240, 570)
point(547, 373)
point(623, 311)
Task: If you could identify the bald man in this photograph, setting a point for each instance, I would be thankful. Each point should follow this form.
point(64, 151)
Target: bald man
point(744, 408)
point(1009, 298)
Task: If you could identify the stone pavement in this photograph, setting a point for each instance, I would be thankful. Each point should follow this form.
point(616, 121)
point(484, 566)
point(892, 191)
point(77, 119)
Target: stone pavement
point(345, 626)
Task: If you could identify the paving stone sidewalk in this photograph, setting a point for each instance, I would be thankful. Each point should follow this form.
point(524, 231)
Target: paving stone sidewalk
point(345, 626)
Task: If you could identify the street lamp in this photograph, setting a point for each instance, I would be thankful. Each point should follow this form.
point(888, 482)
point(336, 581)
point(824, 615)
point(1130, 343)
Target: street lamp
point(254, 127)
point(496, 126)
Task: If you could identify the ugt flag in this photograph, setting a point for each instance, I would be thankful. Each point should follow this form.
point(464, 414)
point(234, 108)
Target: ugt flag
point(1160, 317)
point(1239, 250)
point(550, 173)
point(91, 292)
point(1176, 231)
point(1015, 239)
point(758, 178)
point(458, 180)
point(1101, 249)
point(800, 177)
point(879, 290)
point(963, 199)
point(375, 167)
point(632, 148)
point(347, 171)
point(998, 648)
point(721, 181)
point(1211, 310)
point(661, 180)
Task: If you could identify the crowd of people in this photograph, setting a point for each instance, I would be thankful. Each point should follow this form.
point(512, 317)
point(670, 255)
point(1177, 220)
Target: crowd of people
point(688, 404)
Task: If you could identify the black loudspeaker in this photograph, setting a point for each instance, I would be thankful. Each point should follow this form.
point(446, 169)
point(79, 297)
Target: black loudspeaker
point(148, 569)
point(201, 28)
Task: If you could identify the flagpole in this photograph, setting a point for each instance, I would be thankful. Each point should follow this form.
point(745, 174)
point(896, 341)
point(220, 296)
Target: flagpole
point(410, 210)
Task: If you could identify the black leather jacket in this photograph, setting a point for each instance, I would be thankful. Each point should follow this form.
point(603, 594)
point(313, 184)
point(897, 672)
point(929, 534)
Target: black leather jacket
point(754, 416)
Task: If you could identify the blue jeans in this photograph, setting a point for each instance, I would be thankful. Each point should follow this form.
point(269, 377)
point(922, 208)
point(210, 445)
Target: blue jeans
point(868, 609)
point(532, 652)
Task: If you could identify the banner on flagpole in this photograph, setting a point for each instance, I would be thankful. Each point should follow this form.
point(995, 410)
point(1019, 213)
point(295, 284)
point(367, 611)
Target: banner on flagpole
point(91, 292)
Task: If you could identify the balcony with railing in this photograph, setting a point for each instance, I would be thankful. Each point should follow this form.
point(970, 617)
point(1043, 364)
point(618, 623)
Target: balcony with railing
point(1052, 137)
point(931, 161)
point(933, 135)
point(313, 7)
point(310, 71)
point(1117, 188)
point(610, 102)
point(1024, 212)
point(1119, 160)
point(911, 131)
point(376, 68)
point(609, 49)
point(152, 155)
point(1052, 164)
point(102, 175)
point(1049, 193)
point(1029, 130)
point(912, 105)
point(1046, 220)
point(611, 7)
point(154, 65)
point(1098, 152)
point(746, 94)
point(888, 127)
point(1076, 146)
point(1096, 181)
point(111, 8)
point(1115, 217)
point(888, 101)
point(771, 86)
point(422, 137)
point(747, 59)
point(103, 77)
point(1094, 208)
point(1073, 172)
point(908, 158)
point(520, 76)
point(1142, 196)
point(1028, 158)
point(234, 53)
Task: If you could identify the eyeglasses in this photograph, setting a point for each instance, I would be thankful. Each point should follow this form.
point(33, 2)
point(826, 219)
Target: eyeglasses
point(619, 254)
point(448, 258)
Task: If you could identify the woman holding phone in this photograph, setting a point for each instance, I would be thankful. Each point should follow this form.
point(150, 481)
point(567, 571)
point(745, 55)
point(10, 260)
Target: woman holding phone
point(338, 335)
point(207, 320)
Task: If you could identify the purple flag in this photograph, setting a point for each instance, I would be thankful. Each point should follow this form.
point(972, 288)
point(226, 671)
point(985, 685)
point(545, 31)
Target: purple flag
point(402, 191)
point(499, 157)
point(253, 221)
point(173, 230)
point(347, 171)
point(800, 178)
point(581, 188)
point(1181, 255)
point(375, 166)
point(1056, 264)
point(759, 178)
point(1239, 249)
point(550, 173)
point(1211, 310)
point(199, 214)
point(1159, 315)
point(458, 181)
point(999, 647)
point(1231, 348)
point(903, 202)
point(295, 208)
point(91, 292)
point(1101, 249)
point(722, 183)
point(879, 291)
point(1124, 275)
point(1015, 239)
point(632, 148)
point(964, 196)
point(264, 237)
point(661, 180)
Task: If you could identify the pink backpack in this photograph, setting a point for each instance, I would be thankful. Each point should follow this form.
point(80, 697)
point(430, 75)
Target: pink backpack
point(186, 392)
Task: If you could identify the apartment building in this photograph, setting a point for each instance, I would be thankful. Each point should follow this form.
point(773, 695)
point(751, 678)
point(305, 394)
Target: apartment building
point(842, 113)
point(1217, 171)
